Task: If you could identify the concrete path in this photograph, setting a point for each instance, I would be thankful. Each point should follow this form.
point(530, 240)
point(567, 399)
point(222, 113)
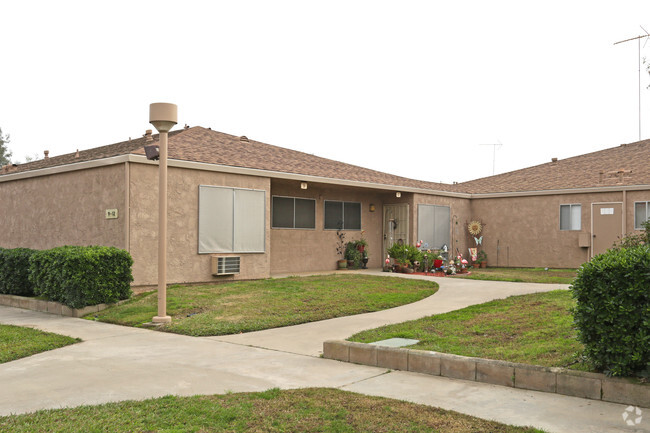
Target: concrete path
point(118, 363)
point(454, 293)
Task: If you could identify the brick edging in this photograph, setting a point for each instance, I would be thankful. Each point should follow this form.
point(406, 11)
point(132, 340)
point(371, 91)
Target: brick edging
point(547, 379)
point(51, 307)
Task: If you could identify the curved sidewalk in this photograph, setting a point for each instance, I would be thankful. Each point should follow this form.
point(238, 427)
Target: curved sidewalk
point(115, 363)
point(454, 293)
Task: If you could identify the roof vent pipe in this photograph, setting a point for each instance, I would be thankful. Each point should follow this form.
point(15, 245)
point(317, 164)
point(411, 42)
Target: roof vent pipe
point(47, 154)
point(553, 159)
point(147, 136)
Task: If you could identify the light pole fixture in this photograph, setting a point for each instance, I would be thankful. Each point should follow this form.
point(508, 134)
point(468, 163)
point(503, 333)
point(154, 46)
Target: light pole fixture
point(163, 117)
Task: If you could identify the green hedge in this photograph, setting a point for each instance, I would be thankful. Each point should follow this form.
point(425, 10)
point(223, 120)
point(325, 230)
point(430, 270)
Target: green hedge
point(81, 276)
point(613, 310)
point(14, 272)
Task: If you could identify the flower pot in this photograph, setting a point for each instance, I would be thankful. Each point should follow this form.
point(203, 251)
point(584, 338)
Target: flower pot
point(476, 265)
point(342, 264)
point(484, 264)
point(365, 263)
point(350, 264)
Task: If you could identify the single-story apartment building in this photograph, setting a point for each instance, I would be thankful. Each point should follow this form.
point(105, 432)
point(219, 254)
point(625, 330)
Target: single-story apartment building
point(266, 210)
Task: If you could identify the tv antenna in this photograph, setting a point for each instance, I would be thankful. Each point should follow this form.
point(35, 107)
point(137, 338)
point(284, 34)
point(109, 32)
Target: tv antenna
point(638, 39)
point(494, 153)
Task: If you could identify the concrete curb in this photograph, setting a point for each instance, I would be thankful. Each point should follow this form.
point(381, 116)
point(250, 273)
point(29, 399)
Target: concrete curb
point(594, 386)
point(49, 306)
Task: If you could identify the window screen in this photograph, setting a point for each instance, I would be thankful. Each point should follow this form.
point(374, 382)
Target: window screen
point(433, 225)
point(294, 213)
point(231, 220)
point(570, 216)
point(342, 215)
point(641, 214)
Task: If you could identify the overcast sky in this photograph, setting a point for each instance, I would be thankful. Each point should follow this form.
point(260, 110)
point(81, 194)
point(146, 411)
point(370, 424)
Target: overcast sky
point(406, 87)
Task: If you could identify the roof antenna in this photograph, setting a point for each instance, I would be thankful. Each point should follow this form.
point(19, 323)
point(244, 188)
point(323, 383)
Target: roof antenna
point(638, 38)
point(494, 153)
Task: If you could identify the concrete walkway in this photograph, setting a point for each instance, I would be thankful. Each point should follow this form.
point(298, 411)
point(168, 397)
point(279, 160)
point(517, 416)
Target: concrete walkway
point(118, 363)
point(454, 293)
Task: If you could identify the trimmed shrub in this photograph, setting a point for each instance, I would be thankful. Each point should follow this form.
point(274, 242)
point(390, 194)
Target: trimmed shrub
point(14, 272)
point(81, 276)
point(613, 310)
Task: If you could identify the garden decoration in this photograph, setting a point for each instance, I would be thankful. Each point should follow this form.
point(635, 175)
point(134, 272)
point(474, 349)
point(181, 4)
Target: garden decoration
point(473, 252)
point(475, 228)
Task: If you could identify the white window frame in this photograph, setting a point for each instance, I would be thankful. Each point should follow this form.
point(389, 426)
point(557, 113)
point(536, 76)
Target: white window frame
point(571, 227)
point(205, 226)
point(294, 213)
point(343, 215)
point(637, 224)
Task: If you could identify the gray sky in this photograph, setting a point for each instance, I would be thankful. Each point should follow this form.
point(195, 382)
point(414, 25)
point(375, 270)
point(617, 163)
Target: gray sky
point(410, 87)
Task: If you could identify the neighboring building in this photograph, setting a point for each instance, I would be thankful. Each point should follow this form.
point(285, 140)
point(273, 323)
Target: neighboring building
point(277, 210)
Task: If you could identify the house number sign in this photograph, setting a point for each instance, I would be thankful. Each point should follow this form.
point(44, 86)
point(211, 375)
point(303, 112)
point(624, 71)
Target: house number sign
point(111, 214)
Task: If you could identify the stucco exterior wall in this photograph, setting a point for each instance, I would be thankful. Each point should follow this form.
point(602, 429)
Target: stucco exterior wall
point(184, 263)
point(301, 250)
point(526, 230)
point(64, 209)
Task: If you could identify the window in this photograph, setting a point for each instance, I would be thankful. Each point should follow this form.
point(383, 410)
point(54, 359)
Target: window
point(293, 213)
point(641, 214)
point(570, 216)
point(342, 215)
point(231, 220)
point(433, 225)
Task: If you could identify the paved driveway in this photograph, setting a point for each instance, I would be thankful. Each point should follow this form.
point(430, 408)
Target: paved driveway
point(118, 363)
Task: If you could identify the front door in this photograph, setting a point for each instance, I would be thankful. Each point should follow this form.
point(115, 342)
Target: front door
point(607, 226)
point(396, 225)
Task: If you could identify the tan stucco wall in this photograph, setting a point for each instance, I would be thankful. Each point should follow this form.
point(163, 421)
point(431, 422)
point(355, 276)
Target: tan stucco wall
point(185, 264)
point(64, 209)
point(527, 229)
point(298, 250)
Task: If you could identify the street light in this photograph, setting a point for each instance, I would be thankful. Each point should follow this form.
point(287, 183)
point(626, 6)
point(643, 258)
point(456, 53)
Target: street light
point(163, 117)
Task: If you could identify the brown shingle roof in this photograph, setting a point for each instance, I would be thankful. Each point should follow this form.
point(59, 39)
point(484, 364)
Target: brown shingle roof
point(204, 145)
point(623, 165)
point(627, 164)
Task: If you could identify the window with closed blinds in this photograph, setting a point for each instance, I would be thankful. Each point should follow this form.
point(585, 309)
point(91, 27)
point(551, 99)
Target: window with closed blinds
point(570, 216)
point(433, 225)
point(641, 214)
point(231, 220)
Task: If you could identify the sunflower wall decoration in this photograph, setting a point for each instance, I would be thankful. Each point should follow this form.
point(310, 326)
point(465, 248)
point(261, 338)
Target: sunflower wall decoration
point(474, 228)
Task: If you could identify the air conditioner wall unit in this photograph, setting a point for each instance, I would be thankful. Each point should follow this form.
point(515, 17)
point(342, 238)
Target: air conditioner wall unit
point(225, 265)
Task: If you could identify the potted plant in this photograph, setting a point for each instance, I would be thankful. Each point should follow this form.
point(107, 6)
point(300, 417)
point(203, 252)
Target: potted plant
point(353, 255)
point(340, 250)
point(482, 258)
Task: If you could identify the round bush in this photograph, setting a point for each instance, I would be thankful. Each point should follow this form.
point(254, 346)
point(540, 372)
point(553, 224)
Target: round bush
point(613, 310)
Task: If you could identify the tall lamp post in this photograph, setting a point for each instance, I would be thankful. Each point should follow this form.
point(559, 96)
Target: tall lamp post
point(163, 117)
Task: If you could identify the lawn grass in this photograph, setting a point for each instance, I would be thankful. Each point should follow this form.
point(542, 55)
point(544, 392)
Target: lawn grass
point(522, 275)
point(18, 342)
point(532, 329)
point(246, 306)
point(303, 410)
